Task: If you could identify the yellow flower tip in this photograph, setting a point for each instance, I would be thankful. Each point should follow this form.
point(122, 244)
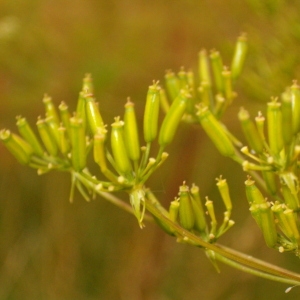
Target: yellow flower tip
point(245, 150)
point(121, 179)
point(129, 103)
point(249, 181)
point(220, 181)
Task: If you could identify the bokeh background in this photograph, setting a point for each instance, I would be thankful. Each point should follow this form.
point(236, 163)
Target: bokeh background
point(51, 249)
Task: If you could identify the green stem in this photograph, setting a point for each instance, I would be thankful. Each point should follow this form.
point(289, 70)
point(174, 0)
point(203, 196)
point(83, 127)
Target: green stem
point(235, 258)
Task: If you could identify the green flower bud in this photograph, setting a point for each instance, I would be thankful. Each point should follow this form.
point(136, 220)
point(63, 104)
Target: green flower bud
point(174, 210)
point(211, 212)
point(50, 109)
point(215, 131)
point(295, 94)
point(239, 56)
point(93, 115)
point(186, 213)
point(53, 128)
point(151, 113)
point(183, 80)
point(287, 118)
point(229, 94)
point(274, 118)
point(260, 124)
point(78, 142)
point(200, 221)
point(250, 131)
point(270, 181)
point(204, 71)
point(28, 134)
point(131, 134)
point(19, 148)
point(291, 218)
point(224, 192)
point(172, 118)
point(217, 67)
point(191, 82)
point(253, 194)
point(81, 109)
point(65, 116)
point(205, 93)
point(119, 149)
point(172, 85)
point(291, 200)
point(47, 138)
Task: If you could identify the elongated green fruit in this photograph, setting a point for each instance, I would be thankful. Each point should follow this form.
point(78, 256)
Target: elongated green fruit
point(268, 224)
point(274, 118)
point(19, 148)
point(27, 133)
point(291, 200)
point(172, 85)
point(295, 93)
point(50, 109)
point(174, 210)
point(78, 142)
point(254, 196)
point(65, 116)
point(131, 134)
point(164, 100)
point(224, 192)
point(270, 181)
point(186, 213)
point(80, 109)
point(203, 67)
point(63, 145)
point(217, 67)
point(239, 56)
point(87, 84)
point(183, 80)
point(287, 117)
point(215, 131)
point(119, 149)
point(250, 131)
point(200, 221)
point(93, 115)
point(47, 138)
point(173, 118)
point(151, 113)
point(53, 128)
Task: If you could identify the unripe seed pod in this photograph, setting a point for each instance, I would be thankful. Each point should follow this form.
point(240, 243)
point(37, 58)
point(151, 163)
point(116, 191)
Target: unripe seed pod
point(204, 71)
point(65, 116)
point(99, 152)
point(270, 181)
point(64, 145)
point(250, 131)
point(205, 93)
point(229, 94)
point(217, 67)
point(291, 200)
point(151, 113)
point(260, 123)
point(239, 56)
point(191, 82)
point(254, 196)
point(78, 142)
point(28, 134)
point(19, 148)
point(173, 118)
point(295, 93)
point(164, 100)
point(287, 117)
point(174, 210)
point(268, 224)
point(200, 221)
point(186, 213)
point(53, 128)
point(274, 118)
point(93, 115)
point(119, 149)
point(50, 109)
point(47, 138)
point(224, 192)
point(131, 134)
point(183, 80)
point(81, 109)
point(292, 221)
point(172, 85)
point(215, 131)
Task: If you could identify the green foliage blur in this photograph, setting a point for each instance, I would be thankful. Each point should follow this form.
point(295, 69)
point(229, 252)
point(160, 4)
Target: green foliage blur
point(51, 249)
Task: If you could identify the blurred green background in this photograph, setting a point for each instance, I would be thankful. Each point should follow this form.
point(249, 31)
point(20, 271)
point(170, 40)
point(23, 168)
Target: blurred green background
point(51, 249)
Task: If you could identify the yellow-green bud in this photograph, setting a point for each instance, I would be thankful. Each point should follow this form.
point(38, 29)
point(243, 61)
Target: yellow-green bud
point(224, 192)
point(87, 85)
point(78, 142)
point(50, 109)
point(250, 131)
point(204, 70)
point(47, 138)
point(173, 118)
point(274, 118)
point(65, 116)
point(254, 196)
point(131, 134)
point(28, 134)
point(119, 149)
point(200, 221)
point(186, 213)
point(172, 85)
point(93, 115)
point(215, 131)
point(239, 56)
point(19, 148)
point(217, 67)
point(151, 113)
point(64, 145)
